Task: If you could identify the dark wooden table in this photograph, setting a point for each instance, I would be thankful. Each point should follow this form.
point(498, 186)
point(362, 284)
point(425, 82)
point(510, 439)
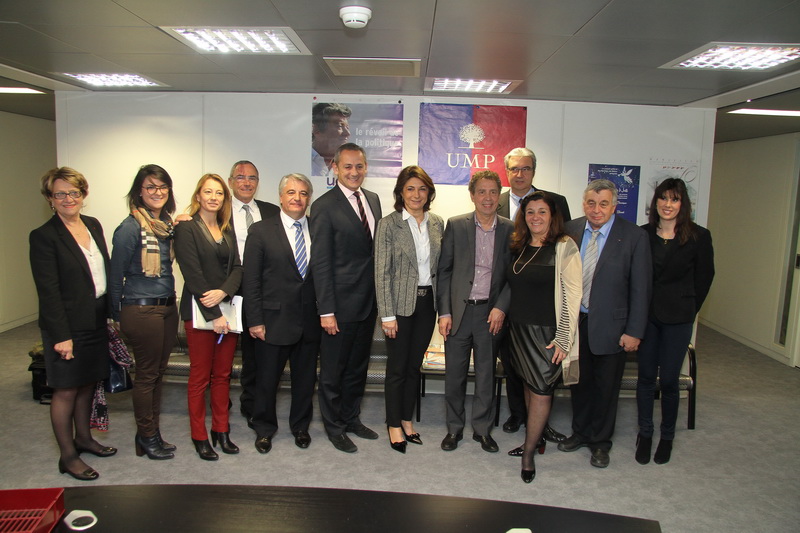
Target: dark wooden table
point(235, 508)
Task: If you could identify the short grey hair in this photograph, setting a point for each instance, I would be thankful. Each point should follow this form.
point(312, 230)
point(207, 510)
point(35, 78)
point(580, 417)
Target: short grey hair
point(302, 178)
point(242, 162)
point(521, 152)
point(602, 185)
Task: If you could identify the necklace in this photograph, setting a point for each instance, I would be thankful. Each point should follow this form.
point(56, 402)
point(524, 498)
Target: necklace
point(514, 266)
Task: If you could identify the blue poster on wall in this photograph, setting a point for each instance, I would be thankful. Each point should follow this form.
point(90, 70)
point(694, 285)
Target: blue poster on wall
point(626, 178)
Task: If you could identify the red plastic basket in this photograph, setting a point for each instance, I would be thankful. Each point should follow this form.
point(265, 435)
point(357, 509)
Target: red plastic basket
point(30, 510)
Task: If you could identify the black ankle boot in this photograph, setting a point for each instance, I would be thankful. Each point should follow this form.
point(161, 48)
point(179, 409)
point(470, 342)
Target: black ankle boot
point(225, 443)
point(151, 447)
point(663, 452)
point(204, 450)
point(164, 444)
point(643, 447)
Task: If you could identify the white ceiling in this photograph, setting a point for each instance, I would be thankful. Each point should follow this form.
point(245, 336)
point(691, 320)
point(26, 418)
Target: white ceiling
point(577, 50)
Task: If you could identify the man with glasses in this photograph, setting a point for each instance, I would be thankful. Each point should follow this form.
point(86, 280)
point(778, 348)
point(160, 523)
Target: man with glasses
point(520, 169)
point(245, 210)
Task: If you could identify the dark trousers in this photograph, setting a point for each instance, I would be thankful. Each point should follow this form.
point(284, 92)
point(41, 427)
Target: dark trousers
point(209, 362)
point(472, 338)
point(515, 389)
point(661, 355)
point(595, 397)
point(270, 361)
point(247, 377)
point(343, 362)
point(405, 357)
point(151, 331)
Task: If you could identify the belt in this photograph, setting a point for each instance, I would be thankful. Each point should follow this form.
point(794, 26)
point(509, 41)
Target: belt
point(150, 301)
point(422, 292)
point(477, 302)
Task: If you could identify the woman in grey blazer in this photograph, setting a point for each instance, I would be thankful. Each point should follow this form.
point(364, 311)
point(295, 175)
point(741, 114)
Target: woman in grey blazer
point(407, 247)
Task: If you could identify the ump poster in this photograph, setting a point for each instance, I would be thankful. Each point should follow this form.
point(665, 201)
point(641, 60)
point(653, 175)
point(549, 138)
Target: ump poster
point(457, 140)
point(626, 178)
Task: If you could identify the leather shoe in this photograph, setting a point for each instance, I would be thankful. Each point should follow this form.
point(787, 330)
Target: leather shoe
point(343, 443)
point(450, 441)
point(264, 444)
point(103, 451)
point(90, 474)
point(528, 475)
point(487, 442)
point(512, 424)
point(361, 431)
point(552, 435)
point(204, 450)
point(516, 452)
point(302, 439)
point(643, 447)
point(571, 444)
point(413, 438)
point(599, 458)
point(663, 452)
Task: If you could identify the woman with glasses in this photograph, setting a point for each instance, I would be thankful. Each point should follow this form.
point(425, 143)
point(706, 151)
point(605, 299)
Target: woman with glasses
point(142, 289)
point(69, 261)
point(209, 259)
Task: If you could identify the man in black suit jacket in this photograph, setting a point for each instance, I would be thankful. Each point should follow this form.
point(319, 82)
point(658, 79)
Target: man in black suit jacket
point(280, 302)
point(613, 316)
point(520, 170)
point(343, 225)
point(473, 298)
point(243, 182)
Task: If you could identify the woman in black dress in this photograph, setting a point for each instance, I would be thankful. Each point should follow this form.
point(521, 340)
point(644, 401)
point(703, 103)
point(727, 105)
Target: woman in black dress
point(69, 261)
point(545, 282)
point(683, 268)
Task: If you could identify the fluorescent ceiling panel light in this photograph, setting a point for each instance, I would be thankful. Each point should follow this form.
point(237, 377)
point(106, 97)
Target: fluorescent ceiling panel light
point(113, 80)
point(19, 90)
point(471, 86)
point(240, 40)
point(737, 56)
point(374, 66)
point(766, 112)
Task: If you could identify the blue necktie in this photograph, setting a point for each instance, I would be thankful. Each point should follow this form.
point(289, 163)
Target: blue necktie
point(300, 250)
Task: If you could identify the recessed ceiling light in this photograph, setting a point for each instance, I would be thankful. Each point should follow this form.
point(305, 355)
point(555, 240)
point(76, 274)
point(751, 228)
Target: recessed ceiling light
point(19, 90)
point(471, 86)
point(766, 112)
point(737, 56)
point(374, 66)
point(240, 40)
point(114, 80)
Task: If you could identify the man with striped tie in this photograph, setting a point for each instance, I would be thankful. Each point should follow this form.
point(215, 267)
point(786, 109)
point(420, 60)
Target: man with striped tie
point(617, 284)
point(280, 303)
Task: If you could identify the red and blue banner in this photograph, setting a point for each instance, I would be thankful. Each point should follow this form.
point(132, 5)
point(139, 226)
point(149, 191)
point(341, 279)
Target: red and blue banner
point(456, 140)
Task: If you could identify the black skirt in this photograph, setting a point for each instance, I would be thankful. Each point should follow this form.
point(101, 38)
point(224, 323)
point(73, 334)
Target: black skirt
point(531, 358)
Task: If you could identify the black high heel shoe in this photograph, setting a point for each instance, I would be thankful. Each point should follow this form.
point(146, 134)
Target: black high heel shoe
point(540, 447)
point(164, 444)
point(397, 446)
point(528, 475)
point(204, 450)
point(413, 438)
point(151, 447)
point(104, 451)
point(225, 443)
point(90, 474)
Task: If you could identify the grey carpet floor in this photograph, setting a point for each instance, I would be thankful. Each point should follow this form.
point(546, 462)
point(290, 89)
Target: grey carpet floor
point(738, 471)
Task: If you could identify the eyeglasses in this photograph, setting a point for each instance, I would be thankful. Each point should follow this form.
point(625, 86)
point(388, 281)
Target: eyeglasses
point(152, 189)
point(72, 194)
point(517, 170)
point(241, 178)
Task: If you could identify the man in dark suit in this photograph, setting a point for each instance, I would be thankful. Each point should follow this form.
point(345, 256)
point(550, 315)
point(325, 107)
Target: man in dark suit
point(343, 225)
point(520, 170)
point(472, 299)
point(281, 306)
point(245, 210)
point(617, 283)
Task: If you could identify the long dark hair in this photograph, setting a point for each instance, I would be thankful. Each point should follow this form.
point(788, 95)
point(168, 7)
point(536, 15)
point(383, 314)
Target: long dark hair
point(522, 233)
point(675, 188)
point(135, 200)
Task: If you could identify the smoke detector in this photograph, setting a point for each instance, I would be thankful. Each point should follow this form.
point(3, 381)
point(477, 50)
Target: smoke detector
point(355, 16)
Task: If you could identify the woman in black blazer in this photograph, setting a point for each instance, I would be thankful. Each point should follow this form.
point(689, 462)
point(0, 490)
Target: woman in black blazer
point(683, 268)
point(206, 252)
point(69, 261)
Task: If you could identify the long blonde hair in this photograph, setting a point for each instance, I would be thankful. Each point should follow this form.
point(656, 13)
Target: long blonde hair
point(224, 213)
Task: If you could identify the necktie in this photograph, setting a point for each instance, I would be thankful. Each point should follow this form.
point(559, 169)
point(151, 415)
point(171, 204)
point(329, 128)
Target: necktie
point(363, 214)
point(248, 216)
point(589, 262)
point(300, 249)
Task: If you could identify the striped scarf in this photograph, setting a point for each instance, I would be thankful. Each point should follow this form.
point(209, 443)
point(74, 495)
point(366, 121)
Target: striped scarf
point(151, 230)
